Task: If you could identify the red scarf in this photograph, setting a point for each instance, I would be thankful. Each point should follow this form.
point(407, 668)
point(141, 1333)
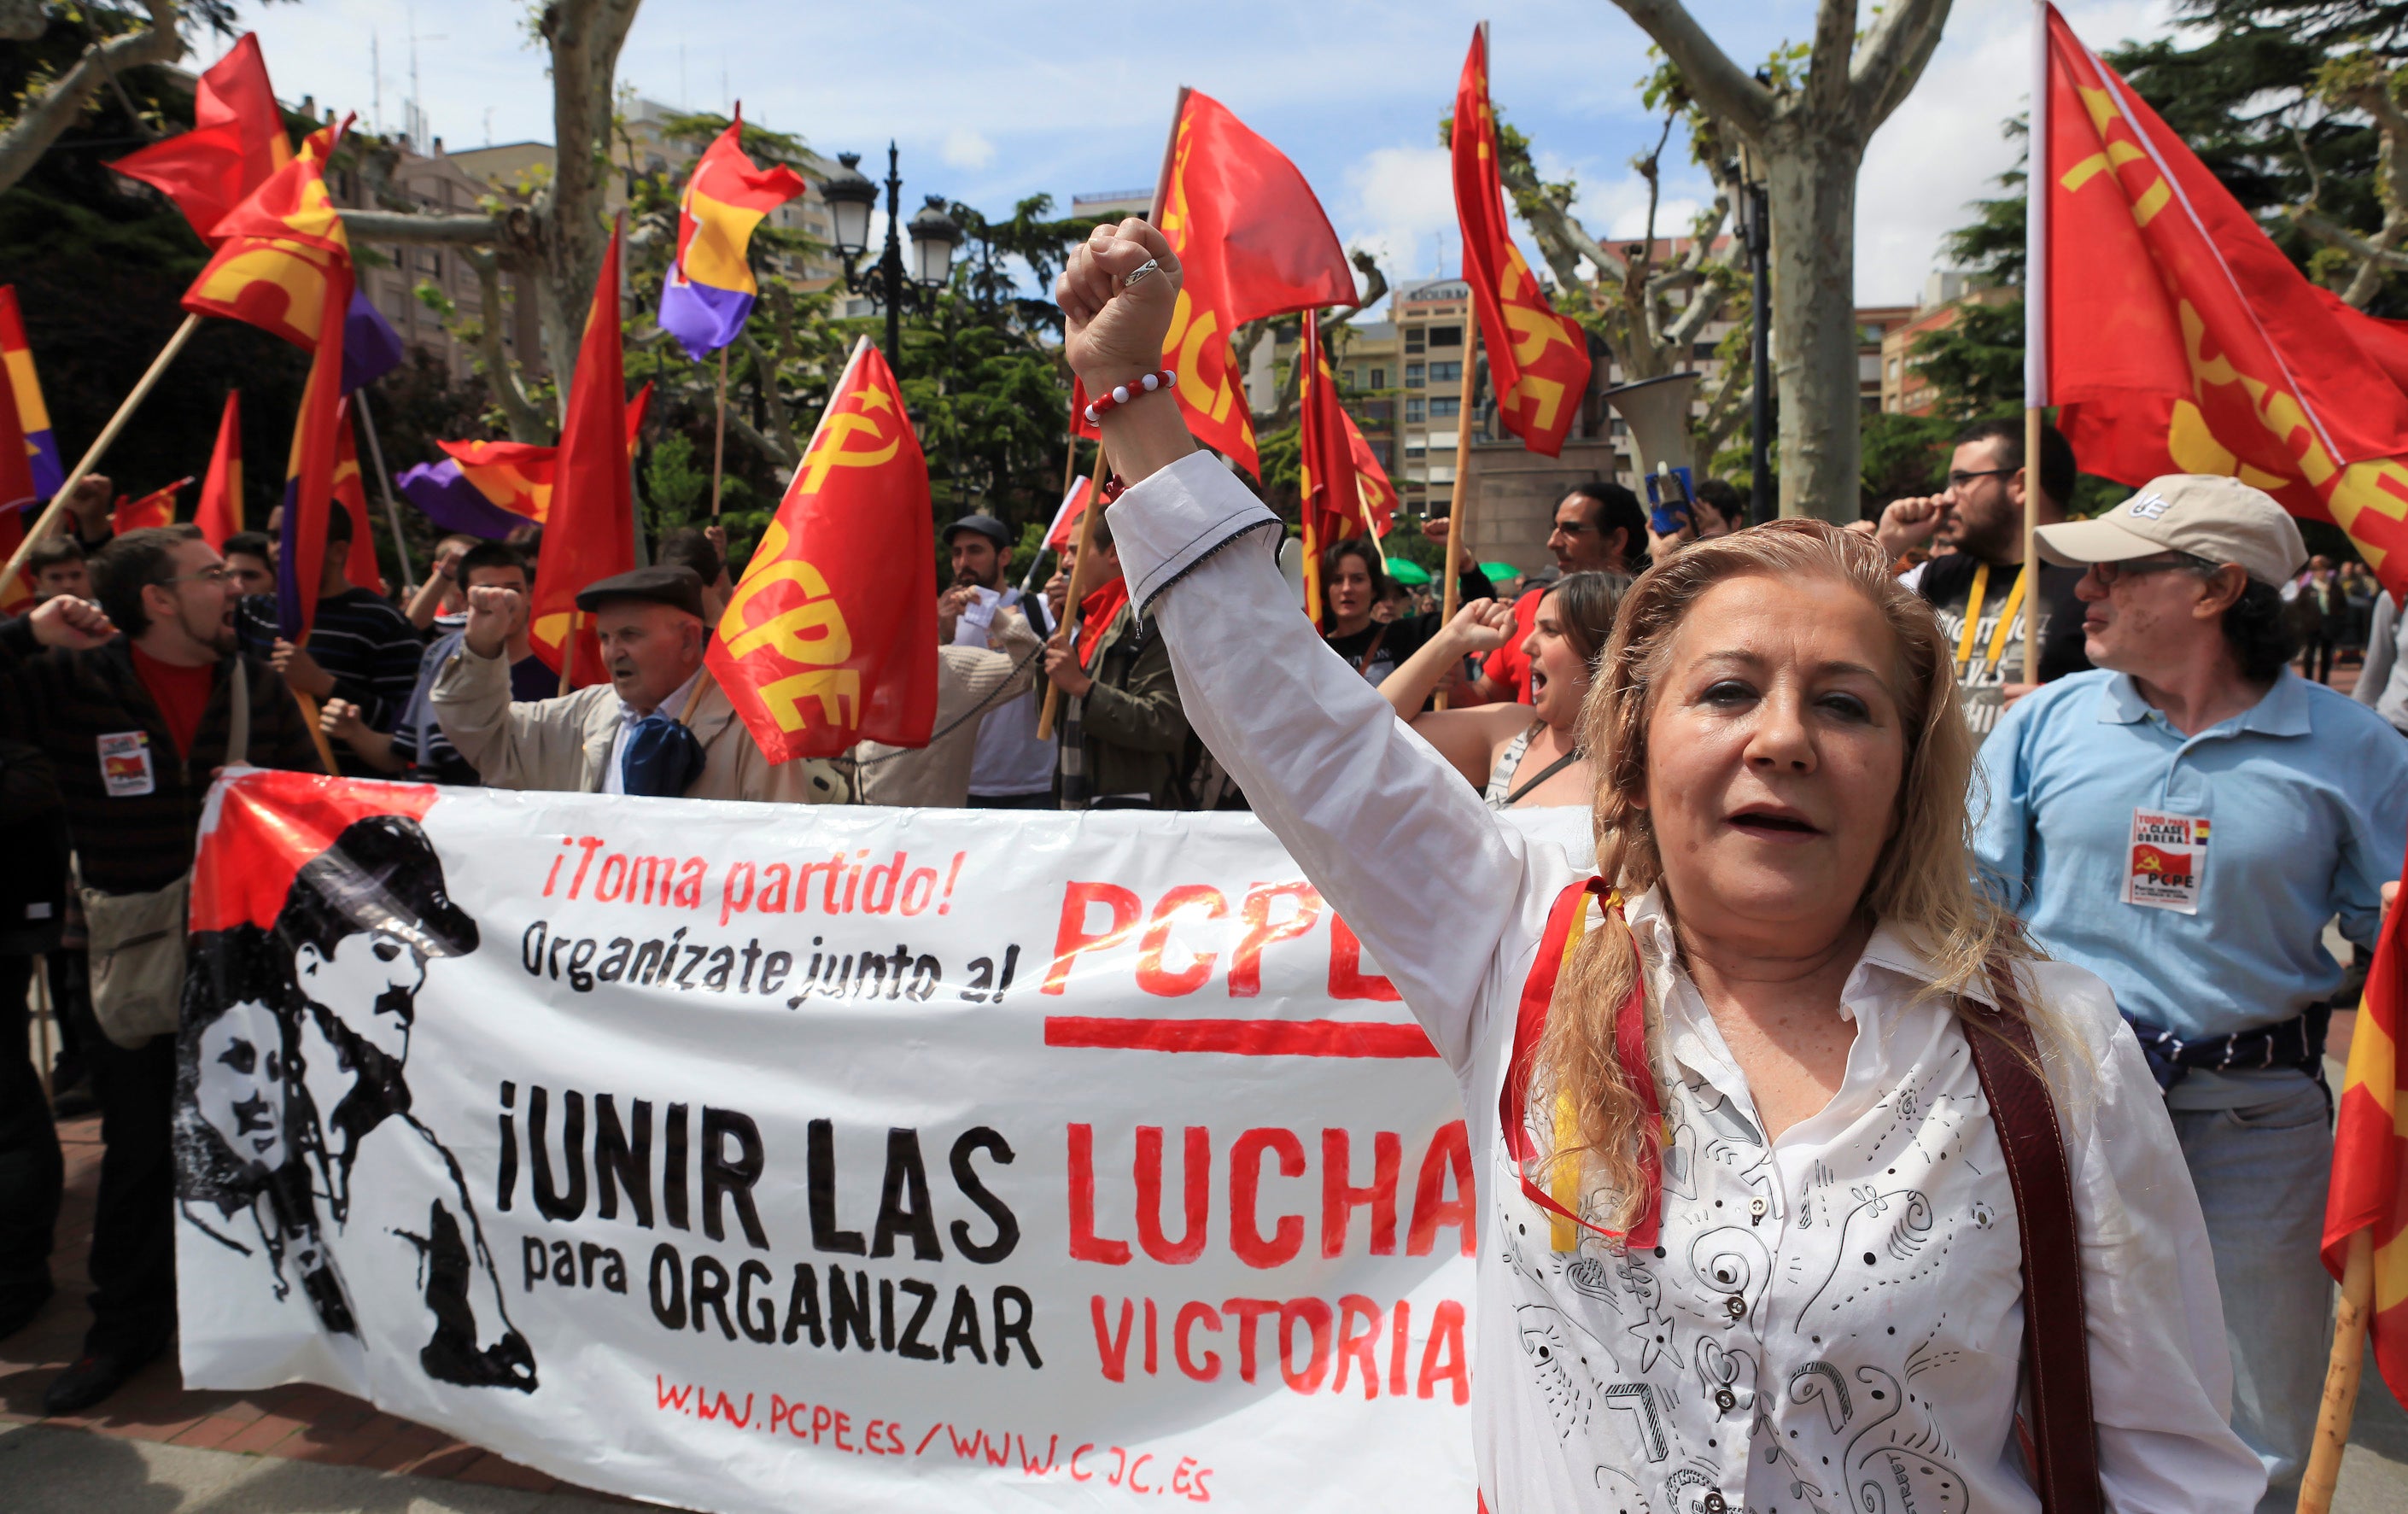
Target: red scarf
point(1095, 615)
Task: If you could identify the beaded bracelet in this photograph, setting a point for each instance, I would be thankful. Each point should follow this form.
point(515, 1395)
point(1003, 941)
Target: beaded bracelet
point(1123, 394)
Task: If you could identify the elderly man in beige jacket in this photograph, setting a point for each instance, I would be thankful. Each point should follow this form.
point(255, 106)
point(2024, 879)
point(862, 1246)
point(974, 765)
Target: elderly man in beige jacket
point(972, 682)
point(650, 628)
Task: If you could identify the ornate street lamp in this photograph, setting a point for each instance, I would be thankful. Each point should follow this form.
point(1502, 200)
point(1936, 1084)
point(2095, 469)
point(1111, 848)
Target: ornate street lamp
point(853, 199)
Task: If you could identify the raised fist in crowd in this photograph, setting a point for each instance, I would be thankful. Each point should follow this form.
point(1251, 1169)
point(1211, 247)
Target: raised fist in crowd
point(340, 719)
point(1911, 523)
point(1482, 626)
point(1115, 327)
point(492, 612)
point(65, 621)
point(91, 504)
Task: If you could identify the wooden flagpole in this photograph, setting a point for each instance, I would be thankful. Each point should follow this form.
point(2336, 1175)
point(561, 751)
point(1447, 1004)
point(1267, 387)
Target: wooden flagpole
point(1067, 634)
point(719, 438)
point(1458, 511)
point(91, 456)
point(2341, 1371)
point(384, 486)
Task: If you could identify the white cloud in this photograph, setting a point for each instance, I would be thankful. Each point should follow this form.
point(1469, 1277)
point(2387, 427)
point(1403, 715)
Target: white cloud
point(967, 149)
point(1399, 207)
point(1942, 150)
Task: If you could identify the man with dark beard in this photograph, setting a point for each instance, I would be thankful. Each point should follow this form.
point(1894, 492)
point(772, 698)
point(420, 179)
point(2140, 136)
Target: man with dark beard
point(361, 920)
point(1979, 518)
point(133, 701)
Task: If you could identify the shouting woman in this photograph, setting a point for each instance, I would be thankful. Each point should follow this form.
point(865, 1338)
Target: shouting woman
point(1526, 754)
point(1744, 1102)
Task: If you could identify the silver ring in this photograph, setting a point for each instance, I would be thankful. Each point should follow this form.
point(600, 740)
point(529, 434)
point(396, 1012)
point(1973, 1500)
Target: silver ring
point(1150, 266)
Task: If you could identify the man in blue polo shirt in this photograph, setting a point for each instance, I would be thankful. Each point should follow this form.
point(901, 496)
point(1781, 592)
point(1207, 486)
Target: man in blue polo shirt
point(2184, 820)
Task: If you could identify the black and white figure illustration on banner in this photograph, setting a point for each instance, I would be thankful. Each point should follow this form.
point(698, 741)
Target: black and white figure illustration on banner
point(239, 1179)
point(305, 1028)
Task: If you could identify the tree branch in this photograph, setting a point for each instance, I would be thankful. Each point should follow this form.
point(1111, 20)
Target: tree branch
point(1826, 60)
point(779, 448)
point(527, 423)
point(2333, 232)
point(48, 117)
point(405, 229)
point(1892, 60)
point(1719, 84)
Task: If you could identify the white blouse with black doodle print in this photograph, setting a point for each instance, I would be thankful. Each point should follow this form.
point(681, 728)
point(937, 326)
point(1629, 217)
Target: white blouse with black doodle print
point(1833, 1324)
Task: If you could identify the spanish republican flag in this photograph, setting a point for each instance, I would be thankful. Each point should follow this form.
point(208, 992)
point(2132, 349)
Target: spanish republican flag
point(2179, 340)
point(831, 637)
point(220, 512)
point(235, 144)
point(591, 533)
point(284, 263)
point(2370, 1170)
point(709, 289)
point(33, 416)
point(1537, 361)
point(1252, 241)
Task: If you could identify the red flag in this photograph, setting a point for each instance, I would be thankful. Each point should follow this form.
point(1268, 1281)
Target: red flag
point(1064, 529)
point(360, 566)
point(831, 637)
point(220, 512)
point(1537, 361)
point(237, 142)
point(2178, 338)
point(2370, 1168)
point(1331, 505)
point(589, 529)
point(280, 252)
point(1251, 242)
point(155, 509)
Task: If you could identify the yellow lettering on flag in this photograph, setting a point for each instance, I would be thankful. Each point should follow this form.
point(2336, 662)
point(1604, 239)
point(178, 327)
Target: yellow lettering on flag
point(1189, 332)
point(1544, 395)
point(828, 640)
point(836, 689)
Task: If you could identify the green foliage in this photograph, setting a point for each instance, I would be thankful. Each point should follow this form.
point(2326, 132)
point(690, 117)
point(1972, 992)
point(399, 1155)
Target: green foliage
point(1903, 455)
point(1976, 365)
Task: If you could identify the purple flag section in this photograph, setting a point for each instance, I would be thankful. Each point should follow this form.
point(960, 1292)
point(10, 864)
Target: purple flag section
point(288, 557)
point(701, 317)
point(451, 502)
point(371, 348)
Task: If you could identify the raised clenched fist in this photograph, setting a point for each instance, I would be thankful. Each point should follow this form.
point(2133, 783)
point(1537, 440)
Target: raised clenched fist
point(492, 612)
point(1115, 327)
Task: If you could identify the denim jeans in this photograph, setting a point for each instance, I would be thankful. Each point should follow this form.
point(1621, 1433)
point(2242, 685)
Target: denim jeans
point(2261, 1169)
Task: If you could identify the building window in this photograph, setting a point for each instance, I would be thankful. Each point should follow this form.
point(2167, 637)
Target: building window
point(1413, 375)
point(1379, 378)
point(1412, 451)
point(1413, 410)
point(1380, 452)
point(1446, 335)
point(1413, 340)
point(1444, 408)
point(1446, 373)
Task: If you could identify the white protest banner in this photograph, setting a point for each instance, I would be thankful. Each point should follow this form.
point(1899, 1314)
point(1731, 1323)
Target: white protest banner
point(749, 1158)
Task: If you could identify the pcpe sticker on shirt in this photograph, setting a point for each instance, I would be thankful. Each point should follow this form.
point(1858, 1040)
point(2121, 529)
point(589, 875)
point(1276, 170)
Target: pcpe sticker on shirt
point(2168, 860)
point(125, 765)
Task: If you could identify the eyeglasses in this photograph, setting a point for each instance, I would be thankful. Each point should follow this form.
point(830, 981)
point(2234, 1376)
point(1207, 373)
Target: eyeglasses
point(2109, 573)
point(220, 575)
point(1959, 477)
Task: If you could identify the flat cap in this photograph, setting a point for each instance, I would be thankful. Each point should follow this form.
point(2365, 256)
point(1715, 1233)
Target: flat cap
point(679, 588)
point(985, 526)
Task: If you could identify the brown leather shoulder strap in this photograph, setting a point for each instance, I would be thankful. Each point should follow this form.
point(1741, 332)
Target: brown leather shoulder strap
point(2056, 1340)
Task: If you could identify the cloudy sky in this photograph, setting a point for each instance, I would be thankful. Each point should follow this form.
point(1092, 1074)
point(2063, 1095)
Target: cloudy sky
point(995, 101)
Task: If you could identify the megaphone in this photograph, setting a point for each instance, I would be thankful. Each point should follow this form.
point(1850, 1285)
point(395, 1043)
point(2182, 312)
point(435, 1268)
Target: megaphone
point(1658, 412)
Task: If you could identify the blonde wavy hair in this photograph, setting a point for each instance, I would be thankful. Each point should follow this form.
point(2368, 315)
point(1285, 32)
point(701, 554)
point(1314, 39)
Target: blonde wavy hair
point(1922, 882)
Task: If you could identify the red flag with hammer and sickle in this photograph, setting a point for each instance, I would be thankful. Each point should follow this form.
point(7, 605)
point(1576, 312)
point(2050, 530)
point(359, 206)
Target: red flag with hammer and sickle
point(831, 637)
point(1537, 361)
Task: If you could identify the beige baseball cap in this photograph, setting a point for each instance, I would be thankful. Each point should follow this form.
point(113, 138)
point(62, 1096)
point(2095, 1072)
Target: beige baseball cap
point(2207, 515)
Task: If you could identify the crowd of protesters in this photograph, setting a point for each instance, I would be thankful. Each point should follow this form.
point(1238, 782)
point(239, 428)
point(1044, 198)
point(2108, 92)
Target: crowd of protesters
point(2165, 699)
